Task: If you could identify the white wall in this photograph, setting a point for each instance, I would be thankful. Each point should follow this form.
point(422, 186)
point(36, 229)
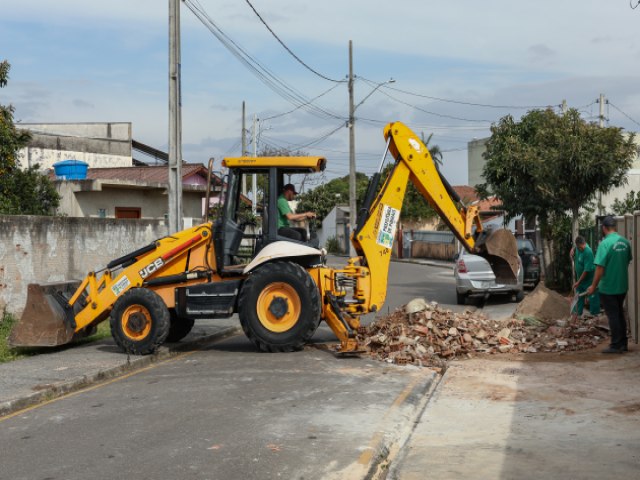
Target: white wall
point(53, 249)
point(101, 144)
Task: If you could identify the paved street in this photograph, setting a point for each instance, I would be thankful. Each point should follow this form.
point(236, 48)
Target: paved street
point(227, 411)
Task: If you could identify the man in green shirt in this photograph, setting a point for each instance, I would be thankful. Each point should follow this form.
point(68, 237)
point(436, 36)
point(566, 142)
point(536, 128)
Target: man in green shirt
point(612, 263)
point(585, 270)
point(285, 214)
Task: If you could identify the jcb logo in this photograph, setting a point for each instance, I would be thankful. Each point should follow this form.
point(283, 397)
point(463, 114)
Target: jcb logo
point(152, 267)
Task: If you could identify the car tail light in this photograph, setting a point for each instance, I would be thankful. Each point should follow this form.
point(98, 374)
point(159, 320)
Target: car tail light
point(535, 260)
point(462, 268)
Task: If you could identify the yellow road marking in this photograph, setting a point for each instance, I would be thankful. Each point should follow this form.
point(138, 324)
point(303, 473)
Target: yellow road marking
point(96, 386)
point(367, 455)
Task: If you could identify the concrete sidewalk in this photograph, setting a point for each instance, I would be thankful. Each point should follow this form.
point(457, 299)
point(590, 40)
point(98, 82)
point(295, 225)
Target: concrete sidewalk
point(31, 380)
point(529, 416)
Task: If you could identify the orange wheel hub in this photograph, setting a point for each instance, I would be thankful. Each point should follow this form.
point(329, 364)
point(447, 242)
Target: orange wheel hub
point(136, 322)
point(279, 307)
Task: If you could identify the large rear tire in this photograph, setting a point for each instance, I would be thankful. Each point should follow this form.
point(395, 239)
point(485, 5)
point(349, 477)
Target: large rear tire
point(279, 307)
point(180, 327)
point(140, 321)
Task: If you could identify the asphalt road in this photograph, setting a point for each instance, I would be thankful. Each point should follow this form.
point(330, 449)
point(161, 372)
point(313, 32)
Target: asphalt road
point(229, 412)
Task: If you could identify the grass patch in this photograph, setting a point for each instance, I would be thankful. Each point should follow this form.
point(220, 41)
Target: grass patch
point(8, 354)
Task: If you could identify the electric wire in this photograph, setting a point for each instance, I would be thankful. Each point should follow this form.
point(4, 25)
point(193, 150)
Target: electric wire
point(288, 49)
point(300, 106)
point(634, 121)
point(264, 74)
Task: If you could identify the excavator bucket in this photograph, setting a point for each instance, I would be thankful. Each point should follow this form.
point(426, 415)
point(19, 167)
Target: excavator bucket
point(47, 320)
point(500, 249)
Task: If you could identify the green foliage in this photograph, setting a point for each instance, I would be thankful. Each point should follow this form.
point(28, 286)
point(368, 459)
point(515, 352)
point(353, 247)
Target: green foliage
point(323, 198)
point(7, 321)
point(333, 245)
point(629, 204)
point(549, 163)
point(546, 165)
point(22, 192)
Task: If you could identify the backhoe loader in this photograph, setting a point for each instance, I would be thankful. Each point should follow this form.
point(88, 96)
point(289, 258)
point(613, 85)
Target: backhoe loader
point(155, 293)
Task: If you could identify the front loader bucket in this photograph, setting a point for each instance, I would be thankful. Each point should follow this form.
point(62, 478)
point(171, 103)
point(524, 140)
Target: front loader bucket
point(500, 249)
point(47, 321)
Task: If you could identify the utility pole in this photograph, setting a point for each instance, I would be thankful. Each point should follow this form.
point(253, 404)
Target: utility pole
point(601, 119)
point(254, 179)
point(352, 153)
point(564, 107)
point(244, 150)
point(175, 120)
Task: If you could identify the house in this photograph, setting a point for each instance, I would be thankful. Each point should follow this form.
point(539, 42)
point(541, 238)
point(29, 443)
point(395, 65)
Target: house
point(335, 225)
point(133, 192)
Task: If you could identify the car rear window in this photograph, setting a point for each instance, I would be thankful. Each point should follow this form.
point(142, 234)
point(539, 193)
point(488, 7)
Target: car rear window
point(526, 245)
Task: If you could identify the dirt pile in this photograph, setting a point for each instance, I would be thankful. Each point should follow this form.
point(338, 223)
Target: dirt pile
point(543, 304)
point(426, 334)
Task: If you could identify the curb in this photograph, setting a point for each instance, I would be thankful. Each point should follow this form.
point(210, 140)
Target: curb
point(388, 449)
point(131, 364)
point(389, 468)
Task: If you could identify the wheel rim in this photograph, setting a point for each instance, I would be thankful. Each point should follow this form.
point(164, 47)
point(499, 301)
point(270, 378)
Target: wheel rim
point(279, 307)
point(136, 322)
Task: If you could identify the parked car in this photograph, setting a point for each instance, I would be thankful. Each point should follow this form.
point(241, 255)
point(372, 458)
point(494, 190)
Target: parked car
point(530, 258)
point(474, 277)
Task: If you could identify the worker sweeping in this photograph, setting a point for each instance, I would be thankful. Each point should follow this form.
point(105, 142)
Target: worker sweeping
point(585, 270)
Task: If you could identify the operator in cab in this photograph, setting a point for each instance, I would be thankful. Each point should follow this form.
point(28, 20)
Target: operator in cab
point(285, 215)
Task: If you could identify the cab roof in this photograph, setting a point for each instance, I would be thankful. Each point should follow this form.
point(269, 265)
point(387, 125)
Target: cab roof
point(290, 164)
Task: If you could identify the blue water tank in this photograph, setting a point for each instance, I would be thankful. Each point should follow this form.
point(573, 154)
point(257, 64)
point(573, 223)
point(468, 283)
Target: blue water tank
point(70, 170)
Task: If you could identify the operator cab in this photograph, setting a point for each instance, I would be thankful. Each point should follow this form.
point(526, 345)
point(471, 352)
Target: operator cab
point(239, 232)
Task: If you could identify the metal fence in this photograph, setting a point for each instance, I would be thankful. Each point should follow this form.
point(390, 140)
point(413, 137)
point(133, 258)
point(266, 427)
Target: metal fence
point(429, 244)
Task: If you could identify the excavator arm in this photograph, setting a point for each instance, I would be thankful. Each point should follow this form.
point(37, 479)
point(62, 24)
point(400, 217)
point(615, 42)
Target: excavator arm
point(374, 234)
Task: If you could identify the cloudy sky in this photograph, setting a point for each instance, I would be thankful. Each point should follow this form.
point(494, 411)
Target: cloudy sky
point(457, 66)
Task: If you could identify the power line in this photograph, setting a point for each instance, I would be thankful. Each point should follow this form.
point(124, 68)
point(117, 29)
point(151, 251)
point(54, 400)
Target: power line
point(288, 49)
point(264, 74)
point(300, 106)
point(461, 102)
point(621, 110)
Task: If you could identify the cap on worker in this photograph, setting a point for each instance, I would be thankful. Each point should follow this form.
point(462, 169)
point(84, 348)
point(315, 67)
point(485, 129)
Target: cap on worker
point(608, 221)
point(289, 186)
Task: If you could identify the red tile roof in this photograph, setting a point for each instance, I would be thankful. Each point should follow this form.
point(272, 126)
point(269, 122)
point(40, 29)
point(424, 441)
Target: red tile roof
point(159, 174)
point(467, 194)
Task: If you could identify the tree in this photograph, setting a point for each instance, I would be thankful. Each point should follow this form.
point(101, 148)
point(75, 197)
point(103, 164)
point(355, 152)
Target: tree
point(324, 198)
point(629, 204)
point(22, 192)
point(549, 163)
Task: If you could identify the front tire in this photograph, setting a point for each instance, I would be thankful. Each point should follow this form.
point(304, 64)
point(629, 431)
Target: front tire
point(140, 321)
point(279, 307)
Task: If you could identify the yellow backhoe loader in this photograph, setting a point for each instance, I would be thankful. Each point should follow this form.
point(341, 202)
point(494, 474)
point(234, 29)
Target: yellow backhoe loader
point(285, 290)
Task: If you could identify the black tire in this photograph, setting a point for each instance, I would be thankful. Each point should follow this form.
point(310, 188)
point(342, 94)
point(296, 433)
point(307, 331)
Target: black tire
point(461, 298)
point(140, 321)
point(179, 328)
point(519, 296)
point(283, 323)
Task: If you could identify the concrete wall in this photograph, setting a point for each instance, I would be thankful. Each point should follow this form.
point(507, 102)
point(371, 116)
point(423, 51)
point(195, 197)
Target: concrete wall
point(98, 144)
point(49, 249)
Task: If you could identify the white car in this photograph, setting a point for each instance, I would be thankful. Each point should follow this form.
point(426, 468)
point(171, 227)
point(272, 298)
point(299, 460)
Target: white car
point(474, 277)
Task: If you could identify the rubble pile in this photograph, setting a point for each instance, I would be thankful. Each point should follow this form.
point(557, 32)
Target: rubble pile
point(425, 334)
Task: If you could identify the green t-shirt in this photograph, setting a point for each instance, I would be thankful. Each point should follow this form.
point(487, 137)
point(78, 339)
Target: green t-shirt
point(584, 263)
point(614, 254)
point(283, 209)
